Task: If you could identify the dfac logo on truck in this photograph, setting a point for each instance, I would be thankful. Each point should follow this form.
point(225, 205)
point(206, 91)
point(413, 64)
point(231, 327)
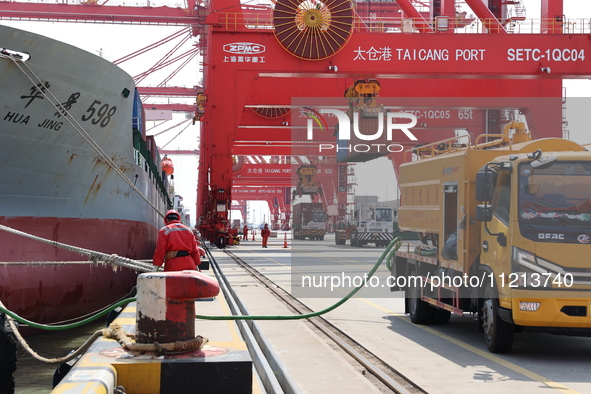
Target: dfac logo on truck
point(344, 131)
point(244, 48)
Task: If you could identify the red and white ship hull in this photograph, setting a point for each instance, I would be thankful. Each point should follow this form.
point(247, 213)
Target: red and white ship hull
point(55, 185)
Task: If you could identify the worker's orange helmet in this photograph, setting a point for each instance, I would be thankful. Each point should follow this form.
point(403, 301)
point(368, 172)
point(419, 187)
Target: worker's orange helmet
point(171, 215)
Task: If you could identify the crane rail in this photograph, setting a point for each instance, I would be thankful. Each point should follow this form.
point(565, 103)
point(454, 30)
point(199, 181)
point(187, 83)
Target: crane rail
point(389, 378)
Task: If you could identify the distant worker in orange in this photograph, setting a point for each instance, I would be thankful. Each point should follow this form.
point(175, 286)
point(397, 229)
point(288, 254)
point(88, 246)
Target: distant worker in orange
point(245, 233)
point(201, 250)
point(176, 247)
point(265, 233)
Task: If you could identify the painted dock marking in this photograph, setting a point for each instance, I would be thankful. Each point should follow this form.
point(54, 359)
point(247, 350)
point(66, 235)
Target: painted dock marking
point(231, 324)
point(489, 356)
point(498, 360)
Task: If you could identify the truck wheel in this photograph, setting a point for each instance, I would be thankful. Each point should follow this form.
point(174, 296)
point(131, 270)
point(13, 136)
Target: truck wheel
point(420, 311)
point(221, 242)
point(353, 243)
point(498, 334)
point(440, 316)
point(322, 238)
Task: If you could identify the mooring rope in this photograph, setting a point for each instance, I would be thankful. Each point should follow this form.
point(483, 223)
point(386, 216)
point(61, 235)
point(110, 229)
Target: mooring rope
point(92, 255)
point(114, 331)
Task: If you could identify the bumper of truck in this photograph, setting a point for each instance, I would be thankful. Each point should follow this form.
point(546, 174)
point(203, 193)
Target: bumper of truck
point(539, 308)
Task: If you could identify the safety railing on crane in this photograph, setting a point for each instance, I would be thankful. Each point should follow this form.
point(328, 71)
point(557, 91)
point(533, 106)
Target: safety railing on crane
point(260, 17)
point(455, 144)
point(262, 20)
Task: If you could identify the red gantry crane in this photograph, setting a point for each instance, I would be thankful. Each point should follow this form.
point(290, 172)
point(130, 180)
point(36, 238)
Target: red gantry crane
point(269, 70)
point(262, 58)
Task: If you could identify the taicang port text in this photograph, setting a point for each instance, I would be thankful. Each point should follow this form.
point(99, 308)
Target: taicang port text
point(513, 280)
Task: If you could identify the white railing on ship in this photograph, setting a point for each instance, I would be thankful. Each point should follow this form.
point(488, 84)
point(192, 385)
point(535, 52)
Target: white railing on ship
point(138, 159)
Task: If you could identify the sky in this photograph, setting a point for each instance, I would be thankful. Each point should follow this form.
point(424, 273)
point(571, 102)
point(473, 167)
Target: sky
point(115, 41)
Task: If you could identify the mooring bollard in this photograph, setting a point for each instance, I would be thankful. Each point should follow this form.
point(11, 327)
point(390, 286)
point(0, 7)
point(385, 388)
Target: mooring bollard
point(166, 304)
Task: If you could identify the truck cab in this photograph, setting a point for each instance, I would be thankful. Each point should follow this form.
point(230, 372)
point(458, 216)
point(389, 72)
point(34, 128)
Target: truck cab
point(536, 239)
point(506, 231)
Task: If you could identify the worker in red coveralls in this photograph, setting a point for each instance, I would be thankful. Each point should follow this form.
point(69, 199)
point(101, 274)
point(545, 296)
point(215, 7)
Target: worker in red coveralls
point(176, 247)
point(245, 233)
point(265, 233)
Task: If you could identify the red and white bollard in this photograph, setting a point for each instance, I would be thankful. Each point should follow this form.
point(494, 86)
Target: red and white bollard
point(285, 240)
point(166, 304)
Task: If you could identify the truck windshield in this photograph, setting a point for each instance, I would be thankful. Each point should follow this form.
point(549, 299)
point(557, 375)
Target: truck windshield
point(555, 200)
point(318, 216)
point(383, 214)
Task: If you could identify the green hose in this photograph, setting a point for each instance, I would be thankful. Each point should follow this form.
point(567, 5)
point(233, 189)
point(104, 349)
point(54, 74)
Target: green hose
point(424, 250)
point(389, 252)
point(65, 326)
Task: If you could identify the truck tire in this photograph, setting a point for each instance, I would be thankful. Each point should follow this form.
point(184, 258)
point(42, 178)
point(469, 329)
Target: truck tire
point(221, 243)
point(419, 310)
point(440, 316)
point(498, 334)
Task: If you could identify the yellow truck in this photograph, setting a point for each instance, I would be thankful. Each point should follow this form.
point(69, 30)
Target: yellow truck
point(505, 225)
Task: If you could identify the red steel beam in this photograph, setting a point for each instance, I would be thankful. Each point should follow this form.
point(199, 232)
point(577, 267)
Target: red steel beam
point(418, 21)
point(93, 13)
point(552, 13)
point(169, 91)
point(172, 107)
point(489, 19)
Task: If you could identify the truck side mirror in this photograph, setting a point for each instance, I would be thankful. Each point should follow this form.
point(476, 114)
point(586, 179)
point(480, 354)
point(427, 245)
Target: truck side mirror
point(483, 213)
point(543, 162)
point(486, 180)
